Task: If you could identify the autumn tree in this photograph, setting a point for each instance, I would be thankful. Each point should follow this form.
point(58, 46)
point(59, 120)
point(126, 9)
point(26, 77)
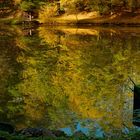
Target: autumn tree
point(134, 5)
point(28, 6)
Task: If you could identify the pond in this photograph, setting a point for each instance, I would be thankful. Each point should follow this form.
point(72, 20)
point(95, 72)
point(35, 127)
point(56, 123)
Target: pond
point(75, 78)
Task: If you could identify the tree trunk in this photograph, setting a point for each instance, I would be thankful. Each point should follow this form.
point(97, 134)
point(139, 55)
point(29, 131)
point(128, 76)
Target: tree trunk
point(30, 16)
point(58, 7)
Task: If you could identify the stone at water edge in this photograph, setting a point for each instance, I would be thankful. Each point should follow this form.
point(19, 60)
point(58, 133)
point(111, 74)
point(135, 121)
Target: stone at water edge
point(6, 127)
point(2, 138)
point(48, 133)
point(79, 134)
point(37, 132)
point(59, 133)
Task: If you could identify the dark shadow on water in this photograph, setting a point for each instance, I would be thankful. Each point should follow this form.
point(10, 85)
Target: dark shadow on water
point(136, 106)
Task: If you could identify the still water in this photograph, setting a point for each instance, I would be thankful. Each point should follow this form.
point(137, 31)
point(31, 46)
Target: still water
point(68, 77)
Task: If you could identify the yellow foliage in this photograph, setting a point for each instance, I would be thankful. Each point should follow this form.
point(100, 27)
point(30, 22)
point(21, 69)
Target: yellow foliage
point(46, 12)
point(84, 107)
point(17, 2)
point(75, 72)
point(48, 36)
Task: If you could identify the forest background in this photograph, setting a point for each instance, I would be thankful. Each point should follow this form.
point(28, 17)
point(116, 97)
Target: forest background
point(74, 11)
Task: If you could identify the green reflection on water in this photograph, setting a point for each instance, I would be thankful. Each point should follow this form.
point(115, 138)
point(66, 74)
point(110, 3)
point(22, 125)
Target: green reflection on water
point(55, 77)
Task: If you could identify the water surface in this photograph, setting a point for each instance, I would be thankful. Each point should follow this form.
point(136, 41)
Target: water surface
point(61, 77)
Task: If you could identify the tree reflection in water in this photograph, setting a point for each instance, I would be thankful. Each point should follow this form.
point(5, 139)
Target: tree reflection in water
point(60, 76)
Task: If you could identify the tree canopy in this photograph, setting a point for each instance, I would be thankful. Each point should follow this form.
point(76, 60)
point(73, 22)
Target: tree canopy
point(46, 7)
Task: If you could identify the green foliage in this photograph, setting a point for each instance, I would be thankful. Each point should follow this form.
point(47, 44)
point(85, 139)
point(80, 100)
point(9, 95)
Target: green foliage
point(74, 6)
point(103, 6)
point(27, 6)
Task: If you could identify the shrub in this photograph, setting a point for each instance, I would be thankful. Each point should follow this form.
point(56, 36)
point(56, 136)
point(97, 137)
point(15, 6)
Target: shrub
point(46, 12)
point(73, 6)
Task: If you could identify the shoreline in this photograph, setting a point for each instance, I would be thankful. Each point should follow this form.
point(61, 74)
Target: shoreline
point(93, 18)
point(9, 132)
point(69, 23)
point(122, 20)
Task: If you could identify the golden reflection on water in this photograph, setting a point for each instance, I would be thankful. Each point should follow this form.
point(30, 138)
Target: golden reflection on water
point(62, 75)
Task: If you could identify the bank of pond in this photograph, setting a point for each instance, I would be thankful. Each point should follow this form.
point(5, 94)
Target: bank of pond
point(9, 132)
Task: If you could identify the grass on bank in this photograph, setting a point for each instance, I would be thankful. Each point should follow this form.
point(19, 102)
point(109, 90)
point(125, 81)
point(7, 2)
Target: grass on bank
point(7, 136)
